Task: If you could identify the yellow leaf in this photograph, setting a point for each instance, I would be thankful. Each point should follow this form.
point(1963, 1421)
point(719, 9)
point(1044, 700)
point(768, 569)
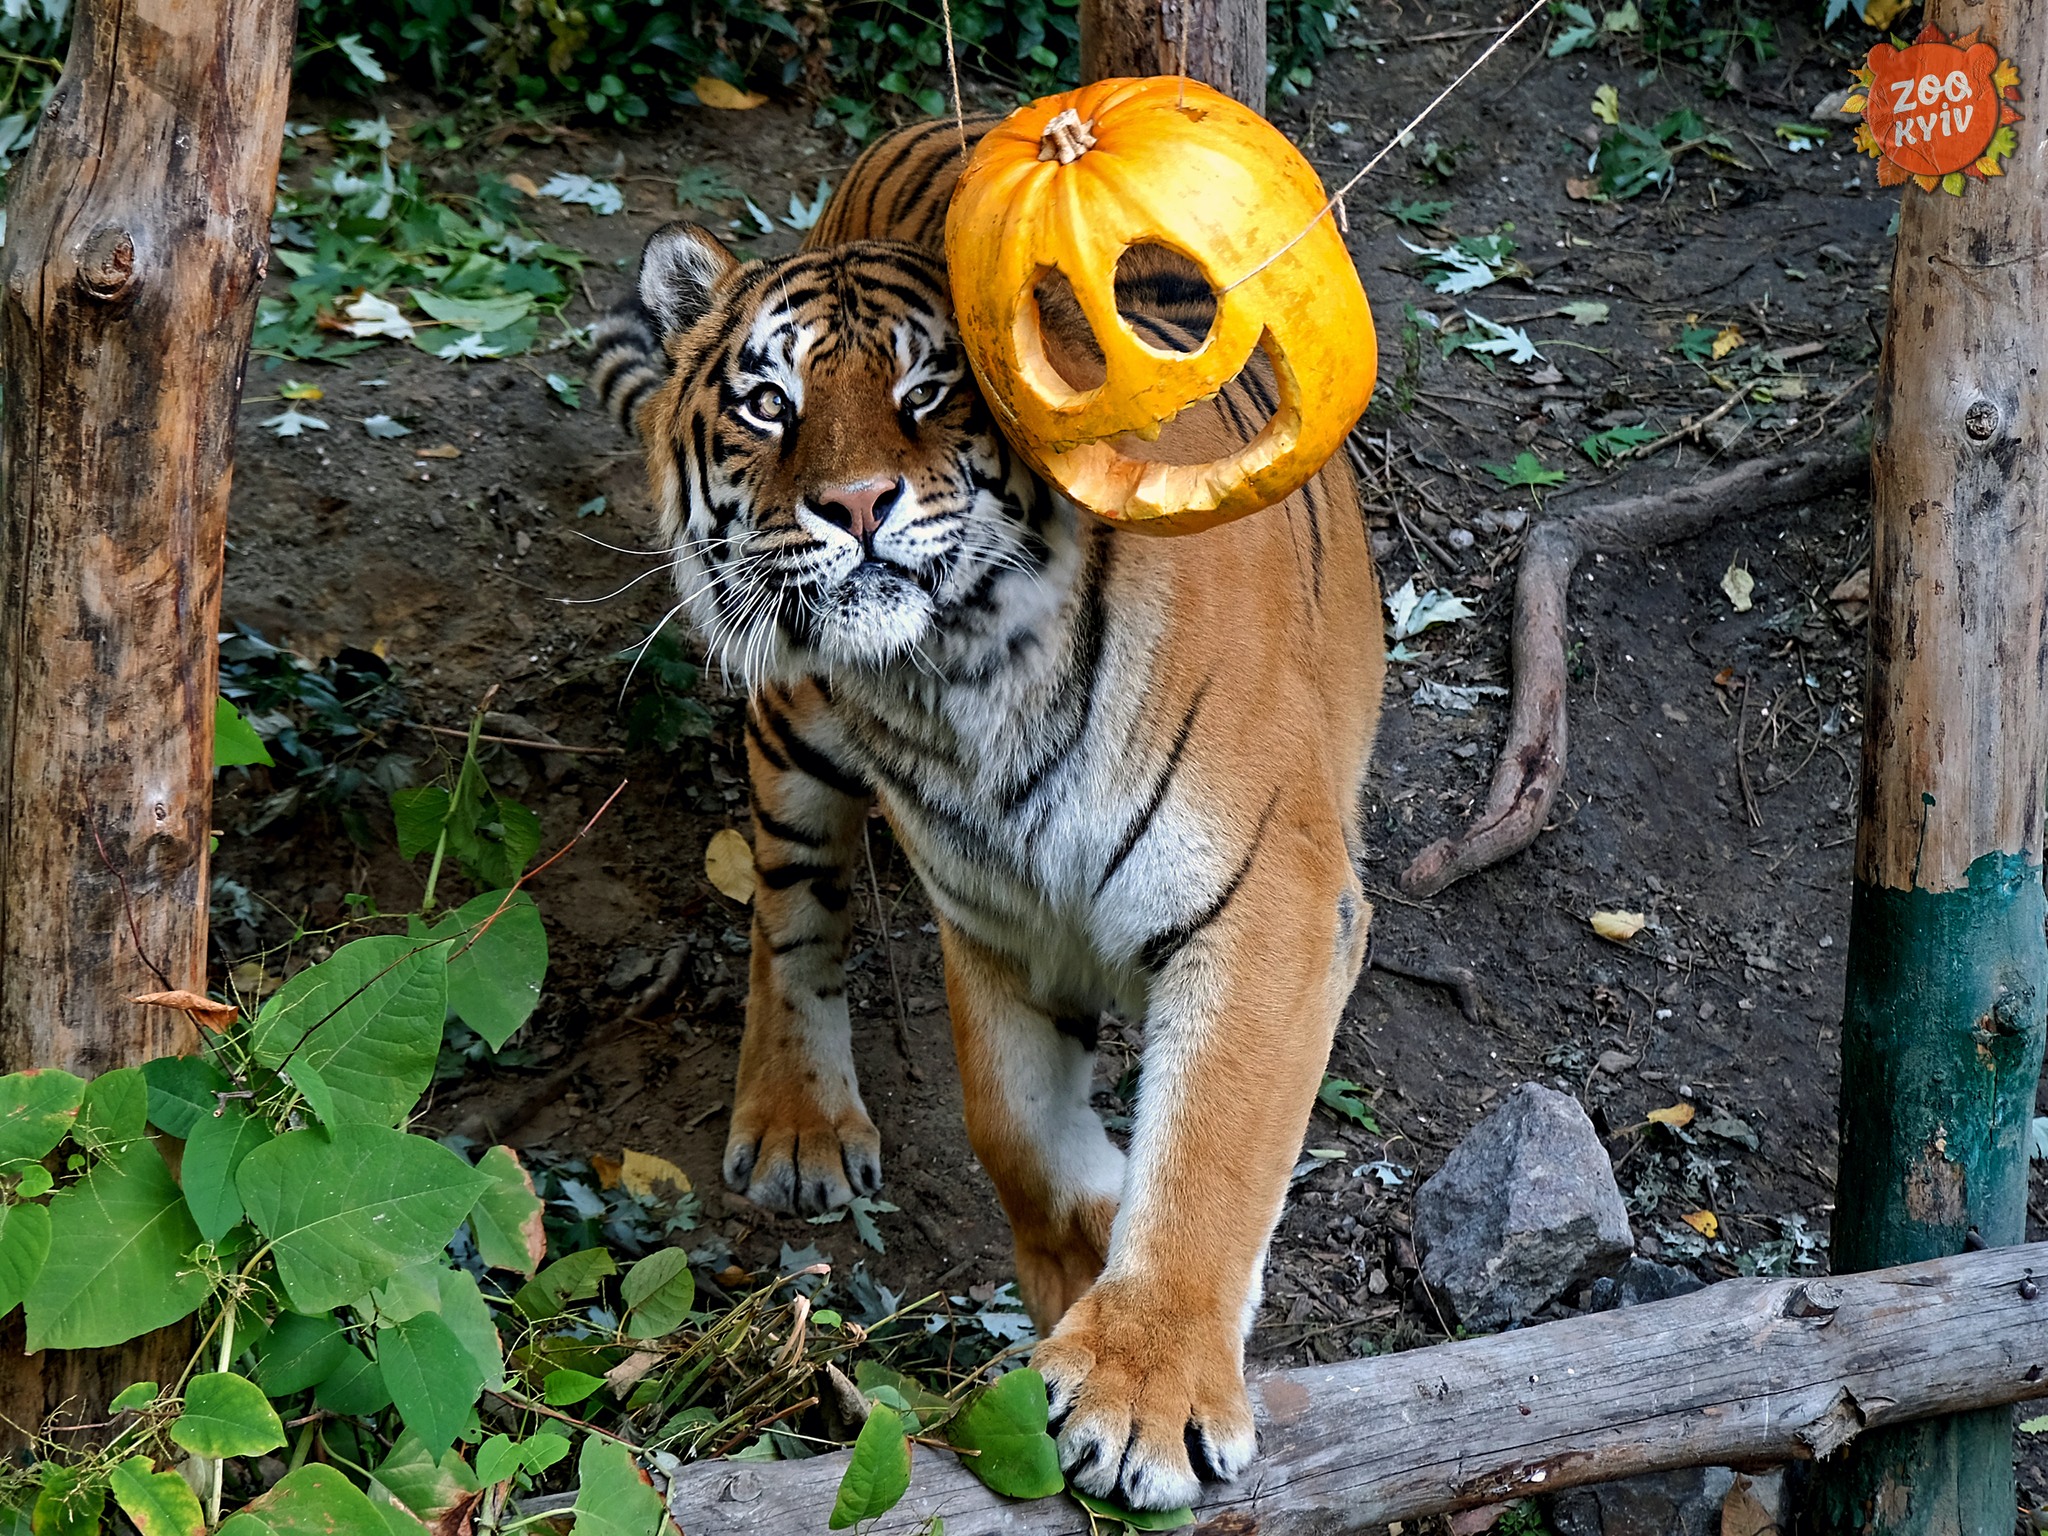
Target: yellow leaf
point(1737, 583)
point(1882, 13)
point(1855, 102)
point(1706, 1223)
point(729, 865)
point(714, 92)
point(647, 1177)
point(1618, 926)
point(607, 1170)
point(1726, 341)
point(519, 181)
point(1676, 1116)
point(294, 390)
point(2006, 76)
point(445, 451)
point(1607, 105)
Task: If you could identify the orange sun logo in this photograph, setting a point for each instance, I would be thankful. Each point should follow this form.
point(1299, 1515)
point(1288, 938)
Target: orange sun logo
point(1938, 110)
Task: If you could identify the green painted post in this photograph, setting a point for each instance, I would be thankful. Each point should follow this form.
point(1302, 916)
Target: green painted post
point(1947, 968)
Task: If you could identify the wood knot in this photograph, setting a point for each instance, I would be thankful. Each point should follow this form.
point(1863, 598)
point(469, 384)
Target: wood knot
point(2029, 1291)
point(1980, 421)
point(1066, 138)
point(1816, 1298)
point(106, 266)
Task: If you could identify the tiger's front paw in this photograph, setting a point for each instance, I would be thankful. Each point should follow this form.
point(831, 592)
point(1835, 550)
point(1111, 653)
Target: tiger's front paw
point(1149, 1404)
point(789, 1153)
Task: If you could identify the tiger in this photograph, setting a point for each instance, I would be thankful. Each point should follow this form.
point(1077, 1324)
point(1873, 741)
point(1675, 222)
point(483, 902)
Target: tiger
point(1127, 771)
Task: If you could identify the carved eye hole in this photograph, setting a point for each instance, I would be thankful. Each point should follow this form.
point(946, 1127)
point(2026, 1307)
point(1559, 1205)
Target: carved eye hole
point(768, 403)
point(918, 396)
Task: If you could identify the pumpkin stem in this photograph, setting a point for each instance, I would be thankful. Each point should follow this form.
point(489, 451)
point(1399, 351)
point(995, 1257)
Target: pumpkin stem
point(1066, 138)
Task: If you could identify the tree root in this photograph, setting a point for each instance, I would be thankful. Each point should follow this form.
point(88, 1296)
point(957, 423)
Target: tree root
point(1456, 980)
point(1530, 769)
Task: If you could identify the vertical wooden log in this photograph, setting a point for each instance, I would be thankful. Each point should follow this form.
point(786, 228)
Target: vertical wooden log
point(1947, 970)
point(137, 237)
point(1225, 42)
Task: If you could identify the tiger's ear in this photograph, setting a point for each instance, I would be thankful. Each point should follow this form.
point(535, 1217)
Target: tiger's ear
point(680, 273)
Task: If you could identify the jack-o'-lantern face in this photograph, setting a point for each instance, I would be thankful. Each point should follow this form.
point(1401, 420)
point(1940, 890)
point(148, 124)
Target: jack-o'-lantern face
point(1071, 183)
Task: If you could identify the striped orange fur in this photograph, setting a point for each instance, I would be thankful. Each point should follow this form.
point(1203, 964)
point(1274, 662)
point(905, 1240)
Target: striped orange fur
point(1126, 769)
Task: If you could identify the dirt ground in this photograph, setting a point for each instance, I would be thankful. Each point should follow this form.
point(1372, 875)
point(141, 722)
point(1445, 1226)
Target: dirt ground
point(1713, 752)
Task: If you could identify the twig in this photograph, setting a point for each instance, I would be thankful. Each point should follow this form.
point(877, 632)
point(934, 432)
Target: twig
point(517, 741)
point(1530, 769)
point(1691, 429)
point(1742, 758)
point(128, 907)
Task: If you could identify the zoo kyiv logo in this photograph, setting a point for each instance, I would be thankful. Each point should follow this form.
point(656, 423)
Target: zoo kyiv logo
point(1938, 110)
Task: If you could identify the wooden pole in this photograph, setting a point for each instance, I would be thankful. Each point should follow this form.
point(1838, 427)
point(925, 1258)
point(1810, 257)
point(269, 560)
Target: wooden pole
point(1744, 1372)
point(137, 237)
point(1223, 42)
point(1947, 969)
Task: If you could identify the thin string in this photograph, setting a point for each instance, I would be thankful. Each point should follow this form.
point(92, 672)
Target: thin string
point(953, 69)
point(1337, 198)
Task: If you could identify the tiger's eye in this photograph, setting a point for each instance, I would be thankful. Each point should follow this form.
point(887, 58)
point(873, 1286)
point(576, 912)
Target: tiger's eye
point(768, 403)
point(918, 396)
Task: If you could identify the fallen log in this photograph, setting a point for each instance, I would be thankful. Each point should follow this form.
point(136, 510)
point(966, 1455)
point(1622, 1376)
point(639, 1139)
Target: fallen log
point(1530, 768)
point(1745, 1372)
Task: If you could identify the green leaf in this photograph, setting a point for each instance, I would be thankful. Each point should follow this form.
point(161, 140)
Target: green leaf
point(160, 1503)
point(491, 837)
point(1006, 1422)
point(137, 1394)
point(345, 1213)
point(356, 1387)
point(24, 1245)
point(37, 1110)
point(497, 1459)
point(506, 1220)
point(420, 814)
point(468, 1316)
point(34, 1182)
point(1341, 1095)
point(213, 1153)
point(492, 314)
point(1526, 470)
point(879, 1474)
point(494, 976)
point(114, 1111)
point(63, 1508)
point(433, 1378)
point(564, 1387)
point(119, 1238)
point(613, 1497)
point(398, 1520)
point(427, 1484)
point(316, 1500)
point(363, 1025)
point(227, 1415)
point(542, 1449)
point(2034, 1426)
point(659, 1292)
point(567, 1279)
point(235, 742)
point(408, 1293)
point(181, 1089)
point(1612, 443)
point(1137, 1519)
point(300, 1352)
point(871, 1376)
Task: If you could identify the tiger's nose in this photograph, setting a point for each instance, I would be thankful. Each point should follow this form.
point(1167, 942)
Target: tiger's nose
point(858, 508)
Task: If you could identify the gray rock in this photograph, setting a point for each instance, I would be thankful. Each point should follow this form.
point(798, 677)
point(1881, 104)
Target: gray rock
point(1683, 1503)
point(1641, 1280)
point(1525, 1208)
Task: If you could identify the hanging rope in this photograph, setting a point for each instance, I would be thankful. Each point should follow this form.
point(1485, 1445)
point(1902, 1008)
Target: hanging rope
point(1336, 201)
point(953, 69)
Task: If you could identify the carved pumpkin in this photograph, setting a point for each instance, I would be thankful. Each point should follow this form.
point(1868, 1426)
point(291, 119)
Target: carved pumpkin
point(1072, 182)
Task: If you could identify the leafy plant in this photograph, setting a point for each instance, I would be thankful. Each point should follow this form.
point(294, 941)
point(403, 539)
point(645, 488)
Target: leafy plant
point(1611, 443)
point(1419, 213)
point(1527, 470)
point(1471, 263)
point(1341, 1096)
point(1631, 159)
point(663, 713)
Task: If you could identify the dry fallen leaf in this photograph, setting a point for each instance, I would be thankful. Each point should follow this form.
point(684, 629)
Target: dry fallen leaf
point(1852, 588)
point(206, 1013)
point(519, 181)
point(1581, 189)
point(445, 451)
point(647, 1177)
point(1706, 1223)
point(1676, 1116)
point(729, 865)
point(625, 1376)
point(1618, 926)
point(714, 92)
point(1726, 341)
point(252, 980)
point(607, 1170)
point(1737, 583)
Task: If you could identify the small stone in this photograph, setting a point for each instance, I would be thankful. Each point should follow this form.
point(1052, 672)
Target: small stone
point(434, 517)
point(1683, 1503)
point(1524, 1209)
point(1641, 1280)
point(1459, 538)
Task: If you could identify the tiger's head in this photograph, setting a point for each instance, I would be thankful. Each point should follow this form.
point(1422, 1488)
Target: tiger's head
point(829, 477)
